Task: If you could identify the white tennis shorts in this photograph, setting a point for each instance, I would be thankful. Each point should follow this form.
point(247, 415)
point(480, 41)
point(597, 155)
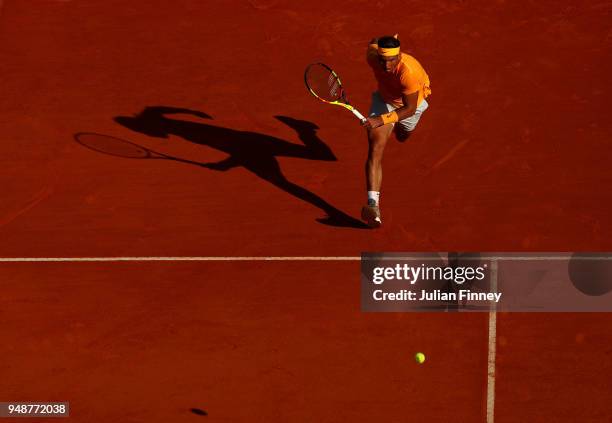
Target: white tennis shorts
point(379, 107)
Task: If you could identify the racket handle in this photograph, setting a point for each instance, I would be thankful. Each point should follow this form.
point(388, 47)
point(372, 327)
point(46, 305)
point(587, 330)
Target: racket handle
point(359, 115)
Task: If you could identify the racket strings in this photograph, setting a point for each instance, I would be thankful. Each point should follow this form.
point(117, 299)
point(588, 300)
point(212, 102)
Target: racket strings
point(324, 83)
point(334, 86)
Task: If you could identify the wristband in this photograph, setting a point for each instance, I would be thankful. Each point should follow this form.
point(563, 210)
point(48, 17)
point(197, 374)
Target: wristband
point(389, 118)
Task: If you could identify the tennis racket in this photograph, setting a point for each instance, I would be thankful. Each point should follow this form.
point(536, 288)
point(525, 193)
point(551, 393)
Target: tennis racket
point(324, 84)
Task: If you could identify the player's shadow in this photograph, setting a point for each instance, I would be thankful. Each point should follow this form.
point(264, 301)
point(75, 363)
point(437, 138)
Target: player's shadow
point(254, 151)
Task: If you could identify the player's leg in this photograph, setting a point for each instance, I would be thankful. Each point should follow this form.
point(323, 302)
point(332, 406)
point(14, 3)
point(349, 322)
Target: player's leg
point(404, 128)
point(377, 139)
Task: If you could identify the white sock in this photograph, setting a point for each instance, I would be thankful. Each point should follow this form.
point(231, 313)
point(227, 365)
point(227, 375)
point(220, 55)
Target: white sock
point(374, 195)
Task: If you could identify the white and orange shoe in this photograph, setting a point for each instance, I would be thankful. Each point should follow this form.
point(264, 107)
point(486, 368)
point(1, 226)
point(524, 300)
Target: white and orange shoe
point(371, 214)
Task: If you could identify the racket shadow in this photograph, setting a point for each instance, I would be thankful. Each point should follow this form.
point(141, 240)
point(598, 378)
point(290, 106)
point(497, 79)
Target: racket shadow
point(253, 151)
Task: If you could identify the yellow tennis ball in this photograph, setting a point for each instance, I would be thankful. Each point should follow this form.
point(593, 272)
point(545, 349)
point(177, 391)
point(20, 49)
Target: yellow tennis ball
point(419, 357)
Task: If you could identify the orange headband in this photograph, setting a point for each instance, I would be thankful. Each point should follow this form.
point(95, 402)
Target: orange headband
point(388, 52)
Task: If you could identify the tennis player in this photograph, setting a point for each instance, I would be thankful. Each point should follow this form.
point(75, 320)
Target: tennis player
point(403, 86)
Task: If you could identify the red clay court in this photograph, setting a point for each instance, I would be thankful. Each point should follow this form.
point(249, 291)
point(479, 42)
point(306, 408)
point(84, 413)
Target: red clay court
point(512, 155)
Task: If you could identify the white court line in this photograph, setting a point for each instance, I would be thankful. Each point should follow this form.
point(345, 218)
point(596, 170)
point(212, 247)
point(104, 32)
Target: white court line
point(492, 349)
point(272, 258)
point(210, 258)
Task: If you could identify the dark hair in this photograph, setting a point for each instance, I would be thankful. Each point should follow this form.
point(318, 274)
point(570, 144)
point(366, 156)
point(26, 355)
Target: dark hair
point(388, 42)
